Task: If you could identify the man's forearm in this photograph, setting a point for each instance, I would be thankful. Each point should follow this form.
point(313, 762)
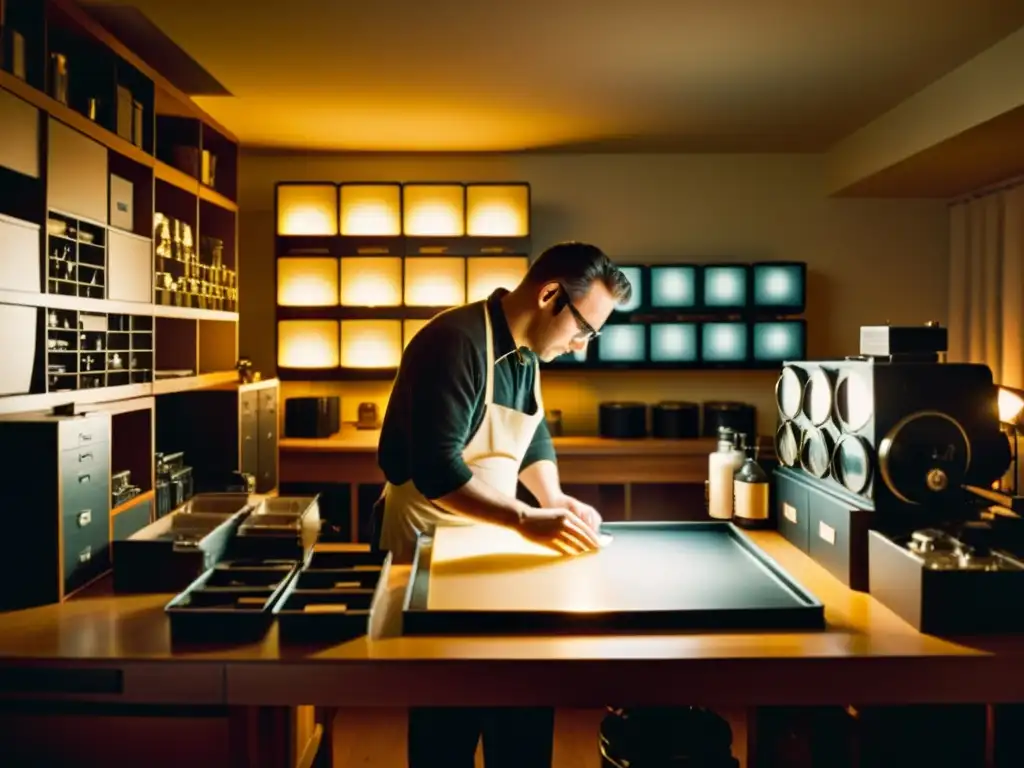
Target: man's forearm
point(541, 479)
point(482, 501)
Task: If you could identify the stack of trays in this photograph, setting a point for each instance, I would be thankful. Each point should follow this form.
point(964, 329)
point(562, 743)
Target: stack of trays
point(279, 528)
point(230, 602)
point(330, 599)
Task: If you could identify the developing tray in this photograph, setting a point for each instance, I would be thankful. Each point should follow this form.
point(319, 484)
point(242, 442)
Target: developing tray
point(332, 604)
point(705, 576)
point(228, 603)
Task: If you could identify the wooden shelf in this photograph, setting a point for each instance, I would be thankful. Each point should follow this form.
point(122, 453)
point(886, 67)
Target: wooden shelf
point(215, 197)
point(189, 383)
point(147, 496)
point(73, 119)
point(193, 313)
point(186, 183)
point(44, 401)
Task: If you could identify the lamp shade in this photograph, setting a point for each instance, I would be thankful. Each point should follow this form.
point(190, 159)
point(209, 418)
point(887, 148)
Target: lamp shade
point(371, 210)
point(307, 209)
point(434, 210)
point(497, 210)
point(371, 343)
point(371, 281)
point(486, 273)
point(1011, 405)
point(307, 282)
point(410, 328)
point(435, 282)
point(307, 344)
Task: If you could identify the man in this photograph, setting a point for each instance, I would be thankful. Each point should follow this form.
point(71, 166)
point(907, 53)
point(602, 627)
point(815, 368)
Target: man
point(465, 422)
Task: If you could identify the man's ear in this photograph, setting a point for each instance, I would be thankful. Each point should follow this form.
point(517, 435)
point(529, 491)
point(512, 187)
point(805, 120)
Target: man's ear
point(550, 293)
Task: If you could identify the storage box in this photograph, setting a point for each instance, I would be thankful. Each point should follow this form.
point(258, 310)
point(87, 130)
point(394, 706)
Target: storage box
point(836, 526)
point(285, 527)
point(944, 601)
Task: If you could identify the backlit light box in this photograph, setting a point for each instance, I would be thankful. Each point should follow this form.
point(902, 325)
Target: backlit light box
point(725, 286)
point(673, 287)
point(780, 286)
point(674, 343)
point(724, 342)
point(622, 344)
point(779, 340)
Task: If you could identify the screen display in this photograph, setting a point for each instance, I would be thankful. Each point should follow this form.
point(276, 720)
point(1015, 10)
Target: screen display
point(725, 286)
point(673, 287)
point(779, 340)
point(724, 342)
point(674, 343)
point(779, 285)
point(622, 344)
point(635, 277)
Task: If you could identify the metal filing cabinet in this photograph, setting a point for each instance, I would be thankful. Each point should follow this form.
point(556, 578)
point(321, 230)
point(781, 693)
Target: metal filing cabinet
point(239, 432)
point(56, 506)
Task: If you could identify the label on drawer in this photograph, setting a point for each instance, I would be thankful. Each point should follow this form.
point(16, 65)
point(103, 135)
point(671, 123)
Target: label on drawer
point(827, 533)
point(789, 512)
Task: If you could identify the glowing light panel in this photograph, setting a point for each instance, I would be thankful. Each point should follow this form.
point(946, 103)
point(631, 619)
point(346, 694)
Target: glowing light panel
point(410, 328)
point(673, 287)
point(779, 285)
point(673, 342)
point(434, 210)
point(307, 343)
point(486, 273)
point(371, 281)
point(498, 210)
point(371, 209)
point(725, 286)
point(778, 341)
point(622, 344)
point(371, 343)
point(724, 342)
point(307, 209)
point(307, 282)
point(435, 282)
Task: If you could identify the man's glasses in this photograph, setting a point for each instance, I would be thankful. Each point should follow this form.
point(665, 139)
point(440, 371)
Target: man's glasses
point(587, 331)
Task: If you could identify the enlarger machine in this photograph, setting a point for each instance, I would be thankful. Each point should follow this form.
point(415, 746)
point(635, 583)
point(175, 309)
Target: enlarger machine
point(889, 464)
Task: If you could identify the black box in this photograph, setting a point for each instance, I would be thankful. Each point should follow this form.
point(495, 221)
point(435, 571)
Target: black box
point(944, 602)
point(831, 526)
point(886, 340)
point(312, 416)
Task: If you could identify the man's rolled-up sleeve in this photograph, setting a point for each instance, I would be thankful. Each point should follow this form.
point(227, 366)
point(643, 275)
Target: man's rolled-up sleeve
point(541, 447)
point(445, 394)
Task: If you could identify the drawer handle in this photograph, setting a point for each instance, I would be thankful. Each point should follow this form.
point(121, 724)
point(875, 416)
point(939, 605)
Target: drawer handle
point(827, 533)
point(789, 512)
point(84, 457)
point(85, 555)
point(248, 438)
point(85, 437)
point(85, 478)
point(84, 518)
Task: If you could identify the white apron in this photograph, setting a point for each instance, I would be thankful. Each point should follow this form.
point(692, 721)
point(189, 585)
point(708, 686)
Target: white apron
point(494, 455)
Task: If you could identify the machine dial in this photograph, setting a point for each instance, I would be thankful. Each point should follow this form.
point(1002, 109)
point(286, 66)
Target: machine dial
point(924, 456)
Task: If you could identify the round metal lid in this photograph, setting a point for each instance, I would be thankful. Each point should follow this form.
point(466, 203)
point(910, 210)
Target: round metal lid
point(816, 451)
point(817, 398)
point(789, 391)
point(787, 444)
point(851, 463)
point(854, 401)
point(924, 456)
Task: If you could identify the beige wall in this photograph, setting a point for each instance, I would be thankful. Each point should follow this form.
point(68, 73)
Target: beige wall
point(869, 261)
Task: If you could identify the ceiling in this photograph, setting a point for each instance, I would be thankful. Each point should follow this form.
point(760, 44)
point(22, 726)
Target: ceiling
point(601, 75)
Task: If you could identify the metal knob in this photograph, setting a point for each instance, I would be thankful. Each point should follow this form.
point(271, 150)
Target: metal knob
point(937, 480)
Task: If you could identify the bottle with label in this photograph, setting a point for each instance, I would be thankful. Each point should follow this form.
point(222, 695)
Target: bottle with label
point(722, 465)
point(750, 493)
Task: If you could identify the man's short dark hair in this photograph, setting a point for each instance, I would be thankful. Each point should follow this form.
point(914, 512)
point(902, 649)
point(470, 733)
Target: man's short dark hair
point(578, 266)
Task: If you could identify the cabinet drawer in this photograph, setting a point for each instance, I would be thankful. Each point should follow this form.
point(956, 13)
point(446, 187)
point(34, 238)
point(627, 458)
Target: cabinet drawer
point(793, 511)
point(75, 433)
point(86, 546)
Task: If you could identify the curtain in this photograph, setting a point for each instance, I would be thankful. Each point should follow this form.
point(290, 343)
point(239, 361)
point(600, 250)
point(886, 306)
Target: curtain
point(986, 299)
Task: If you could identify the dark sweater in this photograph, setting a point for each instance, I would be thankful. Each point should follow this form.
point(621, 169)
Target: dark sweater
point(437, 403)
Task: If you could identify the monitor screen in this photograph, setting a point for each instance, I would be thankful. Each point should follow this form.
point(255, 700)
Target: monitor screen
point(622, 344)
point(635, 277)
point(725, 286)
point(724, 342)
point(674, 343)
point(779, 340)
point(673, 287)
point(780, 285)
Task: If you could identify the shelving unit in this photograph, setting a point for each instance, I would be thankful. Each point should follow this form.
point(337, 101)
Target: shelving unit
point(99, 149)
point(362, 266)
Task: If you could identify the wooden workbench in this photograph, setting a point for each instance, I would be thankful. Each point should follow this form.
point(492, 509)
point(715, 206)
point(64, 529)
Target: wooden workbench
point(601, 471)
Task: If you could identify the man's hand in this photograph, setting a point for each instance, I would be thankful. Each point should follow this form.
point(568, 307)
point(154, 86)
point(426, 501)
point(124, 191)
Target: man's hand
point(559, 529)
point(584, 512)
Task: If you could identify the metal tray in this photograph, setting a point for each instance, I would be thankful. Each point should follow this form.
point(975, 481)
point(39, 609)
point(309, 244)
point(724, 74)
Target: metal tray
point(358, 587)
point(226, 604)
point(653, 577)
